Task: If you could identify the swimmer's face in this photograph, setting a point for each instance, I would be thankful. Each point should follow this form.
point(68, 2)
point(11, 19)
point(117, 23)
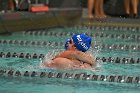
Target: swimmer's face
point(71, 45)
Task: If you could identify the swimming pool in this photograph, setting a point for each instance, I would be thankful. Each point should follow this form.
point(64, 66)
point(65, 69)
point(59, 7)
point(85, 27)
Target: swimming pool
point(116, 50)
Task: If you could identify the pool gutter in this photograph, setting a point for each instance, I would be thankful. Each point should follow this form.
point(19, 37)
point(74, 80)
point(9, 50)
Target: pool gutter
point(24, 20)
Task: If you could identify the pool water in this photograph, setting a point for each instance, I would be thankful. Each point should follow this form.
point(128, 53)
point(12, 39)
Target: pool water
point(59, 35)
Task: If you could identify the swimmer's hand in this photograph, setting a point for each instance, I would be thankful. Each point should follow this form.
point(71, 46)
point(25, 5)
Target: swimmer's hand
point(85, 57)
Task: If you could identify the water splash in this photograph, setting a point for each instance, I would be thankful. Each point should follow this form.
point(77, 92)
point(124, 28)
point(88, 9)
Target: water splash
point(52, 53)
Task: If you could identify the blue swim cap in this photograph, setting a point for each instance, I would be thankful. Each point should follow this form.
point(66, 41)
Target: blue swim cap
point(82, 42)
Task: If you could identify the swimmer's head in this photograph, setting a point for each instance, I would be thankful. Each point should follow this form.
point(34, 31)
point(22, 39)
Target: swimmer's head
point(81, 41)
point(66, 44)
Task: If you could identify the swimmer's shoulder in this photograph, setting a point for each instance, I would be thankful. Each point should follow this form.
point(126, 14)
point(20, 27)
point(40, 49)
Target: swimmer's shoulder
point(64, 54)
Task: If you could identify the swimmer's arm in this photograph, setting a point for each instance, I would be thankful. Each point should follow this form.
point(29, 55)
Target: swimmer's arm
point(68, 54)
point(65, 54)
point(78, 55)
point(87, 58)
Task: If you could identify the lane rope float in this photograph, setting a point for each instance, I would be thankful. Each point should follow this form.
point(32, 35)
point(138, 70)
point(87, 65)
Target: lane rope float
point(53, 44)
point(74, 76)
point(113, 28)
point(95, 35)
point(118, 60)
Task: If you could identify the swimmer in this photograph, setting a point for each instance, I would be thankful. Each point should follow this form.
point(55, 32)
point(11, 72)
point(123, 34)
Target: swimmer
point(75, 56)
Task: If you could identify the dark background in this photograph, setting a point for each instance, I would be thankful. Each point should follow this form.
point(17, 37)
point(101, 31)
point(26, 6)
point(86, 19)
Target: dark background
point(111, 7)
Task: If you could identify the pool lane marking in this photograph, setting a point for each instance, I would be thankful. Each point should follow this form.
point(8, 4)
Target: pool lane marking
point(74, 76)
point(119, 60)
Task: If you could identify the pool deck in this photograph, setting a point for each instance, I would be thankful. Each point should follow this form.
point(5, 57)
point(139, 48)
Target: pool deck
point(110, 21)
point(17, 21)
